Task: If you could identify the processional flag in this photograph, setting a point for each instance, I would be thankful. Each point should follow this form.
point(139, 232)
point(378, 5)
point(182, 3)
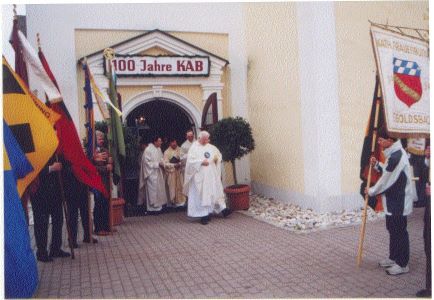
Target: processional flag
point(21, 273)
point(403, 104)
point(403, 69)
point(115, 134)
point(29, 120)
point(69, 141)
point(90, 122)
point(20, 64)
point(101, 98)
point(374, 202)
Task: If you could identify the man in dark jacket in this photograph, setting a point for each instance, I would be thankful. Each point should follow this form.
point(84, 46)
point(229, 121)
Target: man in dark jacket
point(76, 194)
point(416, 148)
point(45, 202)
point(427, 232)
point(398, 193)
point(103, 164)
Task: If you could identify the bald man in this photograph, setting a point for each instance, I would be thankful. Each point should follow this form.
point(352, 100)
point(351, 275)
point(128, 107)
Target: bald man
point(202, 181)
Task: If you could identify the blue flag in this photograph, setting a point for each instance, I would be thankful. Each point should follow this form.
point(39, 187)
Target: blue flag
point(21, 273)
point(90, 122)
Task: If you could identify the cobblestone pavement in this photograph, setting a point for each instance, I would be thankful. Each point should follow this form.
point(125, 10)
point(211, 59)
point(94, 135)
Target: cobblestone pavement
point(170, 256)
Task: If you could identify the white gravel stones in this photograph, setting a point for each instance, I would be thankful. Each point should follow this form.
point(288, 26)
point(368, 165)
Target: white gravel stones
point(294, 218)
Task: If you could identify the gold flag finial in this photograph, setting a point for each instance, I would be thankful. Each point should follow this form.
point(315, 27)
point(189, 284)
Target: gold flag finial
point(15, 12)
point(38, 41)
point(109, 53)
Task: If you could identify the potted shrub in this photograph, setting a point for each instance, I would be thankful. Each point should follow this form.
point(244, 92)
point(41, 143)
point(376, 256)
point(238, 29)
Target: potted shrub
point(233, 137)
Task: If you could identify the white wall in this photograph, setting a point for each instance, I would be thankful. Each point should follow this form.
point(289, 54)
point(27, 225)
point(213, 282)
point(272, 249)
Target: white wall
point(320, 104)
point(56, 24)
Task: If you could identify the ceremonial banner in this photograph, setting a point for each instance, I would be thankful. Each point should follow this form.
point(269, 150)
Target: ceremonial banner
point(90, 121)
point(101, 98)
point(21, 273)
point(115, 134)
point(374, 202)
point(69, 141)
point(403, 67)
point(20, 65)
point(29, 124)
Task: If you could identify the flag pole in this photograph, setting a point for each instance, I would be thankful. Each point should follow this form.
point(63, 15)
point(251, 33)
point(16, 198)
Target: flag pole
point(26, 196)
point(373, 144)
point(89, 217)
point(65, 210)
point(108, 54)
point(38, 41)
point(89, 202)
point(15, 12)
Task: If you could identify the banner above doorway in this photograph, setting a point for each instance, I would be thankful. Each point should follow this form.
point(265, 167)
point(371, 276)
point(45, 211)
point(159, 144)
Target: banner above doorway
point(156, 66)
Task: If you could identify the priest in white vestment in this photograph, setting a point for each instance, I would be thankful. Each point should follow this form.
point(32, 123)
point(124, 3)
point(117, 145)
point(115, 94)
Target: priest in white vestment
point(141, 197)
point(202, 181)
point(151, 177)
point(175, 179)
point(185, 147)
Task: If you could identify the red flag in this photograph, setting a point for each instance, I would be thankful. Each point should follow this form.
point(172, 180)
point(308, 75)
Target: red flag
point(20, 64)
point(69, 142)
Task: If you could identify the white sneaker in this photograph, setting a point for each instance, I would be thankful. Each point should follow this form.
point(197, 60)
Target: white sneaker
point(386, 263)
point(396, 270)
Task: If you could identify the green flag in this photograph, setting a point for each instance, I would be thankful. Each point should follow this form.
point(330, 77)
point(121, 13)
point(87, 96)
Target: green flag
point(115, 133)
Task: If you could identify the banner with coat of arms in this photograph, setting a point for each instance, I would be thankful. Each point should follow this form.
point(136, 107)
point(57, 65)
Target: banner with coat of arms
point(403, 67)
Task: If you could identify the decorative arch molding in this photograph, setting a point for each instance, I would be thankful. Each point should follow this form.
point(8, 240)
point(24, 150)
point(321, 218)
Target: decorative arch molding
point(165, 95)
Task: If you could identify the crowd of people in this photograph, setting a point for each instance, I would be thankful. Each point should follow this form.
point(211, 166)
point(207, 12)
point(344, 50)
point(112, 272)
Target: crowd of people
point(56, 184)
point(190, 176)
point(192, 171)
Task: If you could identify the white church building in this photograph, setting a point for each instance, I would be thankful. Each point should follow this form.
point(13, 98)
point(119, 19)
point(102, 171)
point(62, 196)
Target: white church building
point(301, 73)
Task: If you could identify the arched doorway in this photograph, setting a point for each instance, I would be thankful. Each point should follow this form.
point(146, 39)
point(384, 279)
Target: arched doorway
point(161, 117)
point(154, 116)
point(168, 115)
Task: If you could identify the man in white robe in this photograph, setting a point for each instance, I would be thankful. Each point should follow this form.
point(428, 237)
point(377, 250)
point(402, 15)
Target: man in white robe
point(141, 197)
point(202, 181)
point(151, 176)
point(175, 180)
point(185, 147)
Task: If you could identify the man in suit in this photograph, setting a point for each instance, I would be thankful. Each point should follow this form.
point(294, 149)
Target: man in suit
point(76, 194)
point(46, 202)
point(103, 164)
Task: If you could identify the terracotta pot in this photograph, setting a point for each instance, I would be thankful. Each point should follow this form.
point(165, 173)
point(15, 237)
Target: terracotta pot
point(238, 196)
point(118, 210)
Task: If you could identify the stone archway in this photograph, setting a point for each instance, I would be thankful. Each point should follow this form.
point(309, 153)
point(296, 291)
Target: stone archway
point(164, 95)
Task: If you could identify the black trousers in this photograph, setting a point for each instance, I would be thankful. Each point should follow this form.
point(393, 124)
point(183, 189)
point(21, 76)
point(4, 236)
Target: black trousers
point(76, 204)
point(427, 241)
point(399, 245)
point(101, 213)
point(44, 206)
point(420, 170)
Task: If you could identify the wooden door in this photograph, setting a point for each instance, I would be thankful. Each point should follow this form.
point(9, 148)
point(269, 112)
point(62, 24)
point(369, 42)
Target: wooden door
point(210, 112)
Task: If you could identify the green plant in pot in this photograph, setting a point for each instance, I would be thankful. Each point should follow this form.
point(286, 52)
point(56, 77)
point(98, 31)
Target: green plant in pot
point(233, 137)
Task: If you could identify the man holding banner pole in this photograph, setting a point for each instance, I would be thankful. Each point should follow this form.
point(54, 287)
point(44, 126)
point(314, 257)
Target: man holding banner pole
point(402, 61)
point(398, 194)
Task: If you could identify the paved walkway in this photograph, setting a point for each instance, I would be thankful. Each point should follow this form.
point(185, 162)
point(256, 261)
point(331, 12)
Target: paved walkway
point(169, 256)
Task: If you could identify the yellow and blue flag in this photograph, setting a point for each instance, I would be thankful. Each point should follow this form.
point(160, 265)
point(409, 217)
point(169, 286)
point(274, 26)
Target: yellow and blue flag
point(31, 123)
point(21, 273)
